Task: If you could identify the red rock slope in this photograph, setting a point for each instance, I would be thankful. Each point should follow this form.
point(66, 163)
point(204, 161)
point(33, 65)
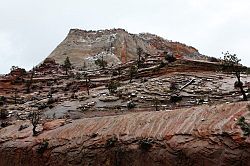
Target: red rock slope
point(196, 136)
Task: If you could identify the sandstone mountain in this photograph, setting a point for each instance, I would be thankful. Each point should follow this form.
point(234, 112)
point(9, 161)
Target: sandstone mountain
point(115, 46)
point(164, 111)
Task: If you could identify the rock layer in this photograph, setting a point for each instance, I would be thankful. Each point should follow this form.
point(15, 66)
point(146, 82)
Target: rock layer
point(115, 46)
point(206, 135)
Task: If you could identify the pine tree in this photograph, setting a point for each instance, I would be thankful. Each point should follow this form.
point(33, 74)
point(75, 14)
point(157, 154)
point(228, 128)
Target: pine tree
point(67, 65)
point(132, 72)
point(139, 53)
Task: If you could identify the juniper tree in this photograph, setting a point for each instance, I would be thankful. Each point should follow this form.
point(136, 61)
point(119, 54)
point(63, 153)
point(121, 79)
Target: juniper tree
point(156, 103)
point(87, 81)
point(231, 63)
point(15, 96)
point(112, 86)
point(3, 113)
point(30, 81)
point(139, 53)
point(169, 57)
point(132, 72)
point(101, 62)
point(67, 65)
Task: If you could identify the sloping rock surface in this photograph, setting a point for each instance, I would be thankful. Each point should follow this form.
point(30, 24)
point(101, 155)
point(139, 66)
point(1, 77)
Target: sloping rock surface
point(114, 46)
point(206, 135)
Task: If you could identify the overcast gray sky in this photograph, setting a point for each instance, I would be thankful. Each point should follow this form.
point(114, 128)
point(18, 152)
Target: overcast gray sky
point(31, 29)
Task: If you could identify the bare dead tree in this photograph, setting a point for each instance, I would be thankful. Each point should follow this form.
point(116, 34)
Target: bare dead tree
point(35, 117)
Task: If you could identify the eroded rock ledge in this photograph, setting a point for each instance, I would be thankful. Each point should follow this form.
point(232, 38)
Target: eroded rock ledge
point(196, 136)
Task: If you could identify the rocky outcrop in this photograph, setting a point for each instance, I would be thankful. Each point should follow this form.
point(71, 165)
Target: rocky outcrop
point(206, 135)
point(115, 46)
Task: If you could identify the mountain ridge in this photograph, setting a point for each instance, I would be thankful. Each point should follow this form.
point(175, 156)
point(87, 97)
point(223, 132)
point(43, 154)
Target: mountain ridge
point(116, 46)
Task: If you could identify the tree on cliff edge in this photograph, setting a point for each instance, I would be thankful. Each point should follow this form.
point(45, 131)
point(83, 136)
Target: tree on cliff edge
point(67, 65)
point(231, 63)
point(30, 81)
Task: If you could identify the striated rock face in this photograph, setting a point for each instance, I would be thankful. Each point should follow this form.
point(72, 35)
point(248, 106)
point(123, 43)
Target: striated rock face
point(115, 46)
point(196, 136)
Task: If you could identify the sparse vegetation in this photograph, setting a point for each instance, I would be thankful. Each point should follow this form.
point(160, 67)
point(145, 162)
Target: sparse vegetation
point(3, 99)
point(101, 62)
point(139, 60)
point(78, 76)
point(17, 74)
point(156, 103)
point(51, 100)
point(169, 57)
point(18, 70)
point(248, 70)
point(145, 144)
point(175, 98)
point(231, 63)
point(13, 68)
point(15, 96)
point(87, 82)
point(3, 113)
point(130, 105)
point(245, 127)
point(116, 107)
point(42, 147)
point(133, 71)
point(213, 59)
point(117, 71)
point(112, 86)
point(23, 127)
point(238, 84)
point(30, 81)
point(111, 142)
point(67, 65)
point(173, 86)
point(34, 118)
point(162, 64)
point(5, 124)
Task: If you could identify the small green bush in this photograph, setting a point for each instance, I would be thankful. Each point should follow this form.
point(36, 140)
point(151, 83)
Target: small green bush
point(145, 144)
point(42, 147)
point(111, 141)
point(2, 100)
point(245, 127)
point(3, 113)
point(213, 59)
point(170, 58)
point(162, 64)
point(112, 86)
point(130, 105)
